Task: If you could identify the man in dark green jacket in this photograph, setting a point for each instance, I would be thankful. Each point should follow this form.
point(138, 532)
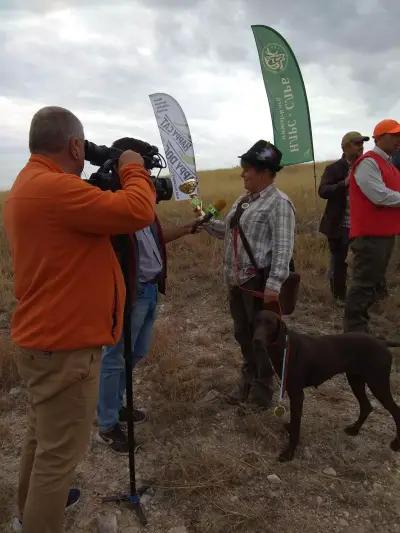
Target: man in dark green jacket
point(335, 222)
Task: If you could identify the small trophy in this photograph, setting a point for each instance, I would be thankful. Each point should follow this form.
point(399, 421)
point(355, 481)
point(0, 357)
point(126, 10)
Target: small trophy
point(189, 187)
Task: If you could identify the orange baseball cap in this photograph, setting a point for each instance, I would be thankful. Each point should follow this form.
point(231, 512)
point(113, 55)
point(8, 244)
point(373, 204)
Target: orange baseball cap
point(386, 126)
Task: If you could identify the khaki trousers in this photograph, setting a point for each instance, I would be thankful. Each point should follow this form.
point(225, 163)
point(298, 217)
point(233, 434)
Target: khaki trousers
point(62, 389)
point(371, 259)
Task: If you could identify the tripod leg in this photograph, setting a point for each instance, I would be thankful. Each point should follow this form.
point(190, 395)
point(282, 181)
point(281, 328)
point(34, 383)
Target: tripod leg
point(137, 507)
point(133, 498)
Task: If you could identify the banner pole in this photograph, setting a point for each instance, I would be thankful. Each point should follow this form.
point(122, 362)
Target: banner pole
point(315, 179)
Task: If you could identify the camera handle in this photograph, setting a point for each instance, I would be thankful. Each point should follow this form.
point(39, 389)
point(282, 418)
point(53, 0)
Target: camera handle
point(133, 498)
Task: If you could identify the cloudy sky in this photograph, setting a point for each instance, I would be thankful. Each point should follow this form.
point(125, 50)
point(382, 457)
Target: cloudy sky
point(102, 59)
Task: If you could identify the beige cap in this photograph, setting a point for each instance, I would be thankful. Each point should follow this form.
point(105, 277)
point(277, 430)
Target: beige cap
point(353, 136)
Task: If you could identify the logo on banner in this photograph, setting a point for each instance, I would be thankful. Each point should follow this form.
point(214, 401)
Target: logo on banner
point(274, 57)
point(170, 128)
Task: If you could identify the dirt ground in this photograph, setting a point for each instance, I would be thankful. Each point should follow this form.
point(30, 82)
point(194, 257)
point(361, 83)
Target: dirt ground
point(207, 462)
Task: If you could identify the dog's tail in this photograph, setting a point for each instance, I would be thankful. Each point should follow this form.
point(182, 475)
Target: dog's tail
point(393, 344)
point(390, 343)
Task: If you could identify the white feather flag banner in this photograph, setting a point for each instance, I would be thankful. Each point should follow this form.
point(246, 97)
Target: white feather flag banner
point(176, 139)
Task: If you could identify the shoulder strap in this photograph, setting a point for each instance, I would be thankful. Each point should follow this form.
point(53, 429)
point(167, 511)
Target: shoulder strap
point(246, 246)
point(235, 225)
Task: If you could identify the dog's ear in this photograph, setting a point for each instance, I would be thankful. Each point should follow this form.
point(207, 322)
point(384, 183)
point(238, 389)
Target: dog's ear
point(274, 307)
point(278, 324)
point(270, 323)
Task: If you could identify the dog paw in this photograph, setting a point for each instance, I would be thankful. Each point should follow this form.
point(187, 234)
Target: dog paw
point(286, 455)
point(351, 430)
point(395, 445)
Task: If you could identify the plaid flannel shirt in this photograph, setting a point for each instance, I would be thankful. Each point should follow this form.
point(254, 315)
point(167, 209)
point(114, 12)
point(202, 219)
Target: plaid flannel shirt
point(268, 224)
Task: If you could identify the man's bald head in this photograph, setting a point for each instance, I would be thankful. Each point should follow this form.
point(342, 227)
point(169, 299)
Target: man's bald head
point(51, 130)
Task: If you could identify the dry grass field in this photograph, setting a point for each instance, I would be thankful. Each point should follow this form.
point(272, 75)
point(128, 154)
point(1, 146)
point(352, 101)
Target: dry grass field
point(207, 462)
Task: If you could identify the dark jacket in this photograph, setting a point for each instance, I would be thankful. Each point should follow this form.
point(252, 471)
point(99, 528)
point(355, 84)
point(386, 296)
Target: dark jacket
point(159, 238)
point(133, 254)
point(333, 189)
point(396, 159)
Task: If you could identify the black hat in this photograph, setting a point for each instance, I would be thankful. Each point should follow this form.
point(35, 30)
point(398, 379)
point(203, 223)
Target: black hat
point(263, 155)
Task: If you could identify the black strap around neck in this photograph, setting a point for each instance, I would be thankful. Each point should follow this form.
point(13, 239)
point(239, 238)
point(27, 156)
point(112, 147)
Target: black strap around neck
point(238, 213)
point(235, 223)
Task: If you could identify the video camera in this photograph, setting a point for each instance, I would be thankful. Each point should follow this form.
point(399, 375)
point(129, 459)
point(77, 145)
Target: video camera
point(106, 177)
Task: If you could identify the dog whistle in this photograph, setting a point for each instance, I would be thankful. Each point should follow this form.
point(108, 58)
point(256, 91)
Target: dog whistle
point(279, 410)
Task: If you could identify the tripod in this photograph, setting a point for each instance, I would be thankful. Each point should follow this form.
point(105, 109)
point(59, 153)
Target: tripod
point(133, 498)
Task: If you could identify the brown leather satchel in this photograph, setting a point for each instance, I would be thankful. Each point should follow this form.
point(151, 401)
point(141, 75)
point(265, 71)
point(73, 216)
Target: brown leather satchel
point(290, 288)
point(289, 293)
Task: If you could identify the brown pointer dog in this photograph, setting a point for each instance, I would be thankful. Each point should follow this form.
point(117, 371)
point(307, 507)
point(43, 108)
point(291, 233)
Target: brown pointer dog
point(312, 360)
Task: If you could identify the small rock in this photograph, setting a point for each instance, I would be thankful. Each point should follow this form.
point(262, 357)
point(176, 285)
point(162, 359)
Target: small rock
point(178, 529)
point(115, 485)
point(274, 479)
point(319, 500)
point(346, 514)
point(211, 396)
point(107, 523)
point(14, 392)
point(145, 499)
point(307, 453)
point(377, 486)
point(343, 522)
point(329, 472)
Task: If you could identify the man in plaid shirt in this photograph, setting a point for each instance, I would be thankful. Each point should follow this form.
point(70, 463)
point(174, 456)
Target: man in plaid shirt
point(264, 217)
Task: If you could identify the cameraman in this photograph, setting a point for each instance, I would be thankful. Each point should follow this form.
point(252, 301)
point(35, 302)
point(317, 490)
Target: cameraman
point(70, 297)
point(148, 275)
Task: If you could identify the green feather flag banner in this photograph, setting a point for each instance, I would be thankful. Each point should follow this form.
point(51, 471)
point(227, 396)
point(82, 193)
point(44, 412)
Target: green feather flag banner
point(286, 95)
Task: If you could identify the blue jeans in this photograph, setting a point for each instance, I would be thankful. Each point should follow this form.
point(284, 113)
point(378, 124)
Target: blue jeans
point(112, 374)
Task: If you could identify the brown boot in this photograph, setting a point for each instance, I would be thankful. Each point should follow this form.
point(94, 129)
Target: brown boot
point(261, 393)
point(240, 393)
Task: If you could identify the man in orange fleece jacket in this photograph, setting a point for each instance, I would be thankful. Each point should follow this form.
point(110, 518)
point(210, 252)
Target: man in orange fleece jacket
point(70, 297)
